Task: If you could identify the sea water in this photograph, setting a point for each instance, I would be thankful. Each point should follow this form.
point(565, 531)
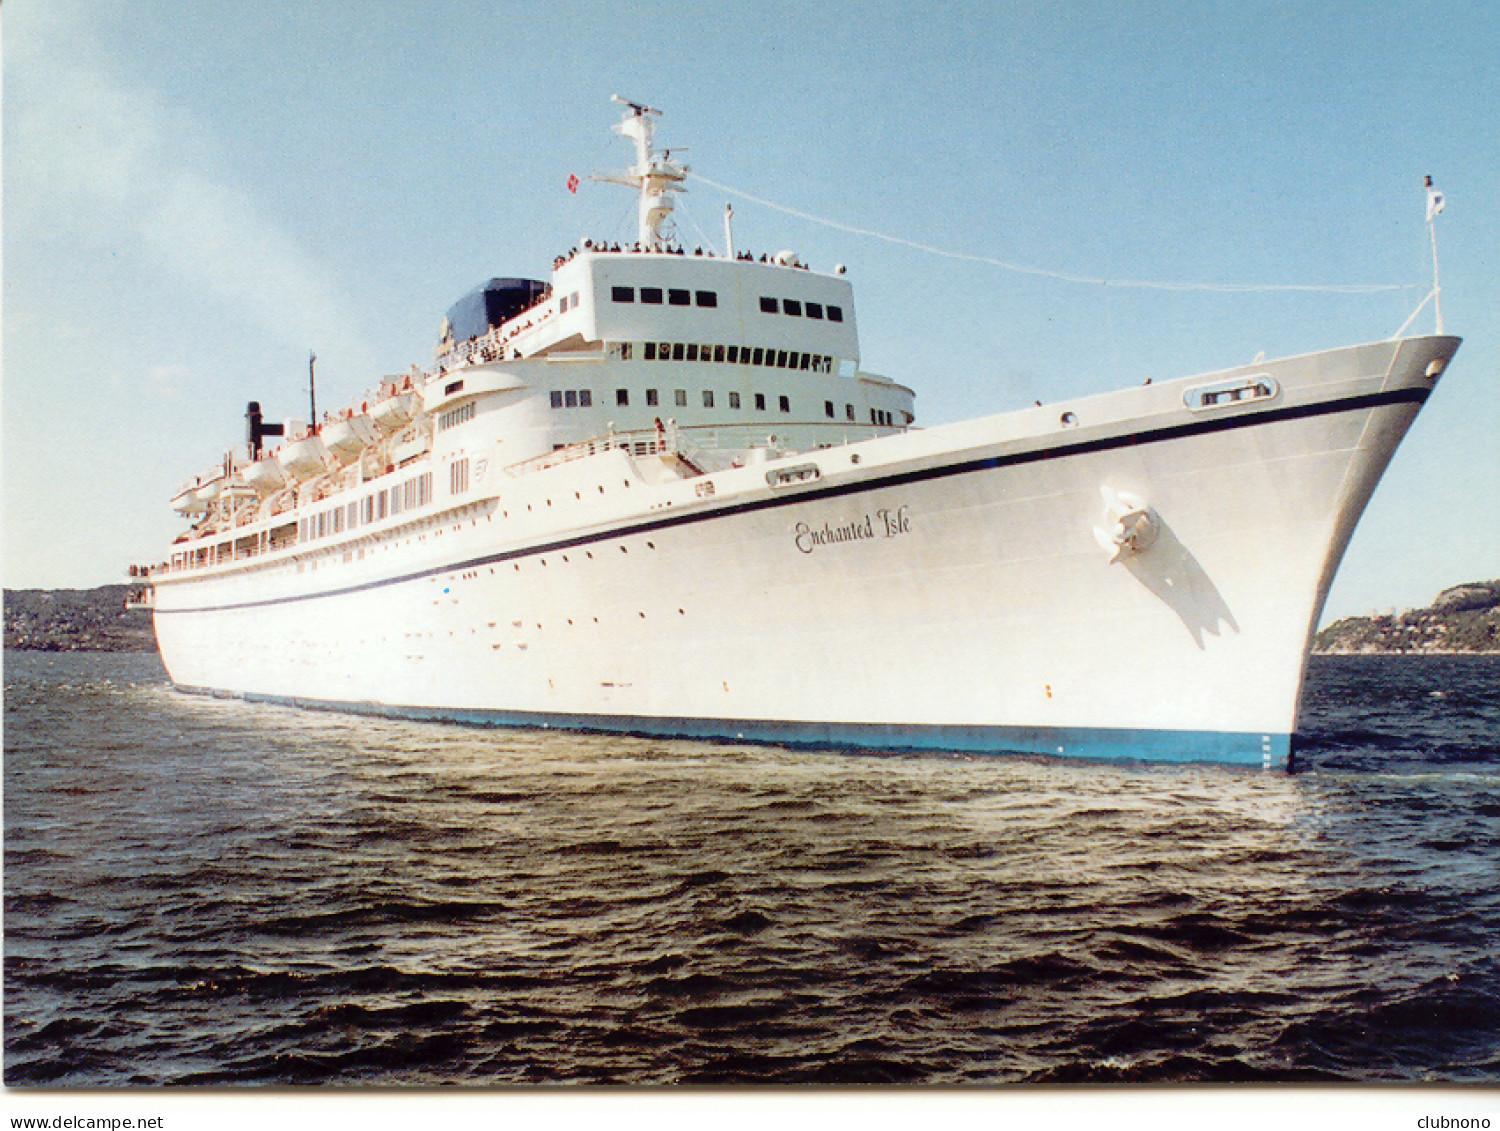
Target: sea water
point(207, 891)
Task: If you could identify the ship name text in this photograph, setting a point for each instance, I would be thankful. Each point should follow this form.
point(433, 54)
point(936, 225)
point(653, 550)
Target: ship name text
point(883, 523)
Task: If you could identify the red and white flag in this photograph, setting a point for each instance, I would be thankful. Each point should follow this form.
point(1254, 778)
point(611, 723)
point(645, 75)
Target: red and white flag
point(573, 182)
point(1435, 200)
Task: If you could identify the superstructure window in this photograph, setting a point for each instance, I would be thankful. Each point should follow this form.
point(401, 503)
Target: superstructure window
point(706, 298)
point(786, 404)
point(585, 398)
point(760, 402)
point(680, 398)
point(651, 295)
point(692, 351)
point(828, 409)
point(622, 294)
point(650, 351)
point(791, 306)
point(651, 397)
point(679, 298)
point(734, 400)
point(814, 310)
point(570, 398)
point(708, 398)
point(557, 398)
point(458, 477)
point(835, 314)
point(848, 412)
point(622, 396)
point(768, 305)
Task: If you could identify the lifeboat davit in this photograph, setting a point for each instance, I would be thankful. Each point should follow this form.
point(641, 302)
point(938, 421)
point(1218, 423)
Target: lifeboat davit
point(304, 458)
point(346, 438)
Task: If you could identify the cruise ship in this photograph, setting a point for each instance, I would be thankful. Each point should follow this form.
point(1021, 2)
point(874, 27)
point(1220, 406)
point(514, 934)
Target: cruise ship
point(655, 492)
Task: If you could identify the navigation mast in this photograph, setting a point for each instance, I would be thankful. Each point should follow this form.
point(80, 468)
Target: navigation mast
point(654, 175)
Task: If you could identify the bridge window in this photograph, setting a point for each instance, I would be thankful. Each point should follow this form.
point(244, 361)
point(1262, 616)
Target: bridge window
point(651, 295)
point(815, 310)
point(679, 298)
point(622, 294)
point(768, 305)
point(835, 314)
point(791, 306)
point(707, 298)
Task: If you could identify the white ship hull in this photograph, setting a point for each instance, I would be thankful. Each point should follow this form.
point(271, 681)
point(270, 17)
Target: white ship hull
point(939, 589)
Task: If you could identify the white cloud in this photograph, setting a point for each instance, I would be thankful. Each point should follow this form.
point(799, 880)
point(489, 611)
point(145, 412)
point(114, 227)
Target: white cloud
point(98, 160)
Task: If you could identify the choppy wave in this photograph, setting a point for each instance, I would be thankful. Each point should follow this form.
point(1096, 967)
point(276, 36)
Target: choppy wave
point(204, 891)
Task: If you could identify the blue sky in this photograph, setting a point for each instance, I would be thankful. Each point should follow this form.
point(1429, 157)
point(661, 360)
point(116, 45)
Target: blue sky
point(198, 193)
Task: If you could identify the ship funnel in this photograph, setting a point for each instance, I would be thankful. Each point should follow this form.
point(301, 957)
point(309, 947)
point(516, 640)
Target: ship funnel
point(256, 429)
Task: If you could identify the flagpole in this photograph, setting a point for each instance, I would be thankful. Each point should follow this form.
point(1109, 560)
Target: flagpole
point(1434, 206)
point(1437, 291)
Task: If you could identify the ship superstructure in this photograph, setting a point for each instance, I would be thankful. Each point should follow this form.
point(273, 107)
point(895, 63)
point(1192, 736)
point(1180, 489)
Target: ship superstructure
point(655, 492)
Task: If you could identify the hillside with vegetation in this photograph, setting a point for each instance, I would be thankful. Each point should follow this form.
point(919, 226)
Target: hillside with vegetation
point(76, 620)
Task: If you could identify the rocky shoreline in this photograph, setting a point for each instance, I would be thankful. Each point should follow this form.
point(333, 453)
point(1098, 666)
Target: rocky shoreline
point(1462, 620)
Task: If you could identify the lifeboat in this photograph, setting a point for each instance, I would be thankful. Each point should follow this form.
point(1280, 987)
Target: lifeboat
point(347, 437)
point(206, 493)
point(396, 409)
point(304, 458)
point(186, 501)
point(265, 476)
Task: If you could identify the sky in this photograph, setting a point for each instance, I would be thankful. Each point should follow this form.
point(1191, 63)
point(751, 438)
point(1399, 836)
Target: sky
point(197, 193)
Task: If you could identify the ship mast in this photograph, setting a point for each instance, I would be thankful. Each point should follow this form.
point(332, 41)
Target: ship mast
point(654, 175)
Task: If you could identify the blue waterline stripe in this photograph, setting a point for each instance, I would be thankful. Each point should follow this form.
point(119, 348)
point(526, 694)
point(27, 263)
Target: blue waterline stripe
point(1099, 744)
point(1193, 428)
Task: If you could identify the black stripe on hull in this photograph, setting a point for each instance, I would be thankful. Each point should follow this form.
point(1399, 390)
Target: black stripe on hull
point(968, 467)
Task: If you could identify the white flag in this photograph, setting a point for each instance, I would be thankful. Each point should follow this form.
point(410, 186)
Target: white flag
point(1434, 201)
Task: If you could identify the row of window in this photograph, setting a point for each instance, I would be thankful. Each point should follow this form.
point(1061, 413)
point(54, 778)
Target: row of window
point(652, 296)
point(766, 356)
point(415, 492)
point(800, 309)
point(769, 304)
point(583, 398)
